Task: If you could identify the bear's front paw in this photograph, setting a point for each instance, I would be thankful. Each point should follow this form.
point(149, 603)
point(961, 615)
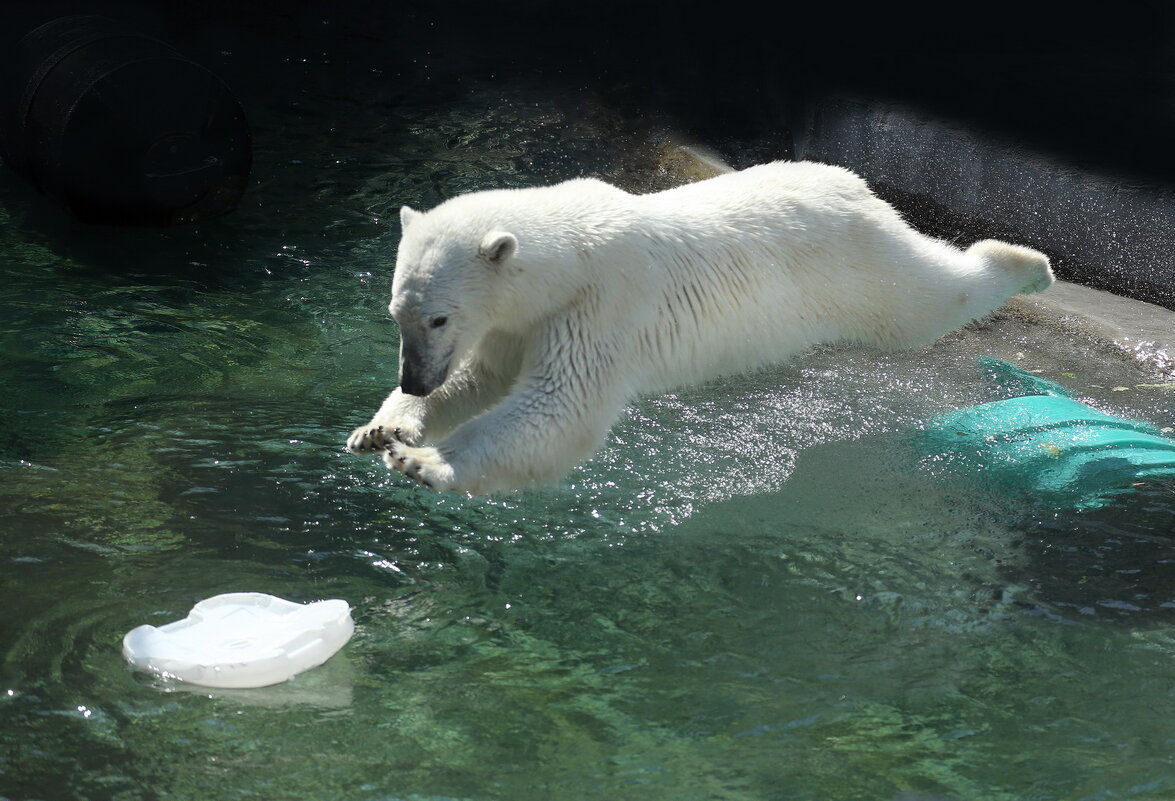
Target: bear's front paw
point(376, 438)
point(426, 466)
point(369, 439)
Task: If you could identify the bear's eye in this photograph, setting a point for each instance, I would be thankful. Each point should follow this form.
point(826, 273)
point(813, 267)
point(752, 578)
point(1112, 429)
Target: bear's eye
point(437, 322)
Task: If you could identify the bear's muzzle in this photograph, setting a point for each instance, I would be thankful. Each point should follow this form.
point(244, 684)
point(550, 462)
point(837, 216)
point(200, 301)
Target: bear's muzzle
point(420, 374)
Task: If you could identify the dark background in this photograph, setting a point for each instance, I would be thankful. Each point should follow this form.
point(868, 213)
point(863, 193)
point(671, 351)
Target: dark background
point(1094, 83)
point(1091, 86)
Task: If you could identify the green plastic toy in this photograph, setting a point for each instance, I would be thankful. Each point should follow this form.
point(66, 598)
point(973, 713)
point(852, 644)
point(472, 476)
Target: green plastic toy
point(1048, 445)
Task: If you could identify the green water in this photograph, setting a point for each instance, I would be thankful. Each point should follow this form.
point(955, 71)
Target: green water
point(753, 592)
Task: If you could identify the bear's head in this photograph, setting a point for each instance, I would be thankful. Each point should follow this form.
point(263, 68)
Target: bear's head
point(444, 294)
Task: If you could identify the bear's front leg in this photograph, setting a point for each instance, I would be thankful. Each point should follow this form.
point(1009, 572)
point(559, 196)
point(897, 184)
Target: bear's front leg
point(400, 418)
point(412, 420)
point(374, 438)
point(553, 418)
point(424, 465)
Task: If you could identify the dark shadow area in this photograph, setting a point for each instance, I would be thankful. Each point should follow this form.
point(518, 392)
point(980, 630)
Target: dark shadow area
point(1116, 563)
point(1089, 89)
point(1095, 86)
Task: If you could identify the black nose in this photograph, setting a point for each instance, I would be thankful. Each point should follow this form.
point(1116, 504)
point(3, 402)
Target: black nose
point(414, 387)
point(412, 383)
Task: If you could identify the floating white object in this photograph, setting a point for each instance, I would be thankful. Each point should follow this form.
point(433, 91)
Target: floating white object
point(242, 639)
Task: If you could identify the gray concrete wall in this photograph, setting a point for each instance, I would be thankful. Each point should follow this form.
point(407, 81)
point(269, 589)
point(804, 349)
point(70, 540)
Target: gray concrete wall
point(1100, 230)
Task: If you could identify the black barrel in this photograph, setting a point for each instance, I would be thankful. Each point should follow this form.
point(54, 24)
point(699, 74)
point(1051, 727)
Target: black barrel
point(119, 127)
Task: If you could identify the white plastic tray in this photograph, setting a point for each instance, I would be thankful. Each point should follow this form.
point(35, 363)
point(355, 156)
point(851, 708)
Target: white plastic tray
point(242, 639)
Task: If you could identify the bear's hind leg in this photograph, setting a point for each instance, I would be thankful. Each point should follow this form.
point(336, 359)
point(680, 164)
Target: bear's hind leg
point(1027, 270)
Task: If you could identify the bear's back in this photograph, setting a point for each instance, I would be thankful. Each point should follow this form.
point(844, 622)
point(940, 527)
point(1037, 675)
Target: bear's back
point(782, 198)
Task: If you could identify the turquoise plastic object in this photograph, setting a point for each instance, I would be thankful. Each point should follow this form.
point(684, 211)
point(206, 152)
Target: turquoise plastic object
point(1048, 445)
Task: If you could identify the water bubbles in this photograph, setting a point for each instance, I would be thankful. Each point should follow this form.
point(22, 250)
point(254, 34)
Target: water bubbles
point(761, 548)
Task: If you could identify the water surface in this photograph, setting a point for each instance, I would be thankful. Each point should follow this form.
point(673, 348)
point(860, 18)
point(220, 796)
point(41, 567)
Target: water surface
point(755, 591)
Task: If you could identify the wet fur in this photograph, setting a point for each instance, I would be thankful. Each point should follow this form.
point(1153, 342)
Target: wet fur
point(604, 295)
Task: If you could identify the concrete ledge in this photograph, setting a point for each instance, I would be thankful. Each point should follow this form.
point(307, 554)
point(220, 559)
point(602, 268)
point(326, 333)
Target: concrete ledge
point(1142, 331)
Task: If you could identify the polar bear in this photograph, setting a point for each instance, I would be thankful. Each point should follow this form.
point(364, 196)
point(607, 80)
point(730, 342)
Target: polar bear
point(529, 317)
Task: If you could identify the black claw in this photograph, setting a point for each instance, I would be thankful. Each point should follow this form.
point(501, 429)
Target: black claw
point(396, 434)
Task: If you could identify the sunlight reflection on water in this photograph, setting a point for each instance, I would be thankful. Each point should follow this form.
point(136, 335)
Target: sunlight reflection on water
point(751, 592)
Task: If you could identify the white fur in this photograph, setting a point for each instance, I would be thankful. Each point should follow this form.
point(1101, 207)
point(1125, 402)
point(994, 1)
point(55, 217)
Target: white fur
point(537, 314)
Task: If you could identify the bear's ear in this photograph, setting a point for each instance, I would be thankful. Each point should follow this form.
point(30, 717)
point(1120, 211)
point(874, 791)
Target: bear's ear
point(407, 215)
point(497, 247)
